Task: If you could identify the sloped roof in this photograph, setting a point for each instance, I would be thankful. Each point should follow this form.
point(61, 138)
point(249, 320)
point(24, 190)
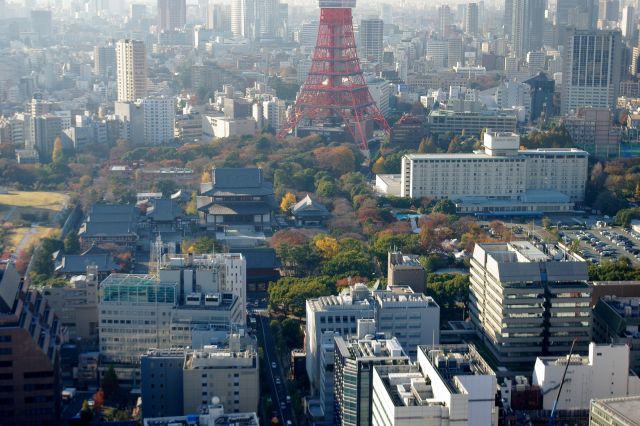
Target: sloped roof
point(308, 206)
point(72, 263)
point(164, 210)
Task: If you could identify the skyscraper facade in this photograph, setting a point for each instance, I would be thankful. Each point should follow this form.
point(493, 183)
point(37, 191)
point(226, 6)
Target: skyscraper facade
point(172, 14)
point(131, 64)
point(371, 31)
point(471, 18)
point(591, 73)
point(527, 26)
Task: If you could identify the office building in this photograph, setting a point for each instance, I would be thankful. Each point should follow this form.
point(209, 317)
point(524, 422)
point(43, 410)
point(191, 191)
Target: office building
point(471, 18)
point(399, 312)
point(41, 23)
point(592, 130)
point(370, 47)
point(354, 363)
point(230, 374)
point(527, 26)
point(30, 339)
point(628, 24)
point(104, 61)
point(617, 320)
point(615, 412)
point(542, 89)
point(524, 302)
point(159, 120)
point(131, 74)
point(603, 374)
point(579, 14)
point(326, 394)
point(450, 384)
point(608, 11)
point(172, 14)
point(501, 179)
point(219, 17)
point(227, 370)
point(445, 19)
point(591, 72)
point(472, 122)
point(161, 382)
point(405, 269)
point(76, 305)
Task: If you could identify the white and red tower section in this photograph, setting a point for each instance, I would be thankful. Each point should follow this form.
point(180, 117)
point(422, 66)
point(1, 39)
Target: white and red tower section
point(335, 86)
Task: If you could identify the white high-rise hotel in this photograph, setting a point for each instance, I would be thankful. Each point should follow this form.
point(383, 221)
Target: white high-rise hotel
point(131, 62)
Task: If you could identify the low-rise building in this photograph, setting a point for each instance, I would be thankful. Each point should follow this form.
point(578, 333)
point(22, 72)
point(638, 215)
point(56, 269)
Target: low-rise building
point(76, 305)
point(449, 385)
point(615, 411)
point(604, 374)
point(617, 320)
point(405, 269)
point(309, 212)
point(501, 179)
point(225, 127)
point(441, 121)
point(212, 414)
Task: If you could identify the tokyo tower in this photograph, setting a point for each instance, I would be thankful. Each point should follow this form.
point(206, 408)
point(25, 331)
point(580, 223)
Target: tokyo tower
point(335, 86)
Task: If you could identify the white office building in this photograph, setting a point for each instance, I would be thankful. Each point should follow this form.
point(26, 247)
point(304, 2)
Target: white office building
point(603, 374)
point(449, 385)
point(398, 312)
point(501, 179)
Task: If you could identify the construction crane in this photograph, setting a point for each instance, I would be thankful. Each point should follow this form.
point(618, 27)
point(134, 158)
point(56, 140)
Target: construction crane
point(564, 374)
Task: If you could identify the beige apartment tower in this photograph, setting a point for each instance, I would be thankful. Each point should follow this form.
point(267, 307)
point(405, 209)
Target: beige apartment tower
point(131, 64)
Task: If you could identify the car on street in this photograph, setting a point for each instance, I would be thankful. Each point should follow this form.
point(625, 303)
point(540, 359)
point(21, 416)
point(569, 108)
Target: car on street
point(273, 365)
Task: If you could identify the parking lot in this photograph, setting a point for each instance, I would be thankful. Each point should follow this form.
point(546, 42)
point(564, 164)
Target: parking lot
point(605, 243)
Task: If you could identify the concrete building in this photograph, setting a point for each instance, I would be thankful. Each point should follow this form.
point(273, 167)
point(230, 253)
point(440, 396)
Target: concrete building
point(354, 362)
point(604, 374)
point(617, 320)
point(43, 131)
point(449, 385)
point(405, 269)
point(161, 382)
point(441, 121)
point(212, 414)
point(527, 26)
point(131, 74)
point(615, 411)
point(131, 123)
point(104, 61)
point(542, 89)
point(172, 14)
point(524, 302)
point(224, 127)
point(76, 305)
point(159, 120)
point(591, 74)
point(399, 312)
point(371, 47)
point(592, 129)
point(501, 180)
point(30, 339)
point(230, 374)
point(470, 19)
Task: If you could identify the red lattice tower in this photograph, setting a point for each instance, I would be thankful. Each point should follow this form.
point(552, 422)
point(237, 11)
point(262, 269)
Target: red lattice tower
point(335, 86)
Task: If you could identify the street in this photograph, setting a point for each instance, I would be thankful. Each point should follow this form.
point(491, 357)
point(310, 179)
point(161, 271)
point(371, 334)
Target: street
point(276, 377)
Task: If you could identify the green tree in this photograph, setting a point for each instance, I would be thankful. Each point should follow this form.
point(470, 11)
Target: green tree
point(444, 206)
point(72, 243)
point(110, 384)
point(292, 333)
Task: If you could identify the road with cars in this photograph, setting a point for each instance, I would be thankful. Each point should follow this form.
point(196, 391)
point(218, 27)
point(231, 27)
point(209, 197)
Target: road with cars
point(274, 373)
